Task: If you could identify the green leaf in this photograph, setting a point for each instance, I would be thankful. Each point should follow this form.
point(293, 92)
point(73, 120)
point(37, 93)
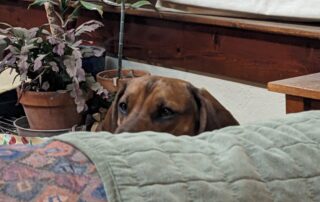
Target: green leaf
point(92, 6)
point(139, 4)
point(19, 32)
point(40, 2)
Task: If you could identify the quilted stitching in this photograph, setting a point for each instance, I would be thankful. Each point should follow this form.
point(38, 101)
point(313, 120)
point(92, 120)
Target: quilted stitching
point(272, 161)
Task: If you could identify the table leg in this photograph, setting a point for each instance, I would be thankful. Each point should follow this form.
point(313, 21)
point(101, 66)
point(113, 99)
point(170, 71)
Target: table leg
point(295, 104)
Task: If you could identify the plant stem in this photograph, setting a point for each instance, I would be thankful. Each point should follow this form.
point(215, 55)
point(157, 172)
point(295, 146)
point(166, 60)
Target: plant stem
point(121, 35)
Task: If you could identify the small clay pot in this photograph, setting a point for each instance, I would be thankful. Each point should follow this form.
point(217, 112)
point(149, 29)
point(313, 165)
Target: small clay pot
point(49, 110)
point(109, 82)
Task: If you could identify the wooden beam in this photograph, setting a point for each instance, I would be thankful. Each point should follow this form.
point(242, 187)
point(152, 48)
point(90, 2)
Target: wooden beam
point(242, 54)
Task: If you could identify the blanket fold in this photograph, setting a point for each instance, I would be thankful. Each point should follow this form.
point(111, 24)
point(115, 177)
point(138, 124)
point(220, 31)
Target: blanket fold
point(276, 160)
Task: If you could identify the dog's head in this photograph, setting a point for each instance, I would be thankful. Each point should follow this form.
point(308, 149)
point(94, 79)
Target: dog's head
point(161, 104)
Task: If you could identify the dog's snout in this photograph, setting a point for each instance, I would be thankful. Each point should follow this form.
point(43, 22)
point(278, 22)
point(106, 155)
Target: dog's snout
point(135, 122)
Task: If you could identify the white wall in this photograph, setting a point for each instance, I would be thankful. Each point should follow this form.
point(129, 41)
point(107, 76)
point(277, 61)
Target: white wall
point(246, 102)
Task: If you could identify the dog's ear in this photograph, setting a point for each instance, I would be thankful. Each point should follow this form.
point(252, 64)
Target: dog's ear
point(110, 121)
point(212, 115)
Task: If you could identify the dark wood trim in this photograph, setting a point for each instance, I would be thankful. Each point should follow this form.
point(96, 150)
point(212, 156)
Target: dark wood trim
point(236, 53)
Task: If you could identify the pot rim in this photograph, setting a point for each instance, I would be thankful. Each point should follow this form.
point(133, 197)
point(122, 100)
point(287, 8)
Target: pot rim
point(45, 99)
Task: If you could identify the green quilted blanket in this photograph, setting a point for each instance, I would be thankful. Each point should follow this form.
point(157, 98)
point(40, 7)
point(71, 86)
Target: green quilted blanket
point(272, 161)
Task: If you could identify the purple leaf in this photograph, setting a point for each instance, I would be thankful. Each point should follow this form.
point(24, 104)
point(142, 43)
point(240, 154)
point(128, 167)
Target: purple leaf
point(31, 33)
point(38, 62)
point(23, 64)
point(11, 61)
point(7, 57)
point(26, 49)
point(71, 35)
point(59, 49)
point(81, 75)
point(36, 40)
point(79, 98)
point(45, 86)
point(52, 40)
point(13, 49)
point(77, 44)
point(70, 64)
point(54, 66)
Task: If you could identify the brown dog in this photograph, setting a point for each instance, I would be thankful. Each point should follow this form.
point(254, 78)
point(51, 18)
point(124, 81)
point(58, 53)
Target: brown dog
point(154, 103)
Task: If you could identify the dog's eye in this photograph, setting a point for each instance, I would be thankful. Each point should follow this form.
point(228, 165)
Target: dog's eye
point(165, 112)
point(123, 107)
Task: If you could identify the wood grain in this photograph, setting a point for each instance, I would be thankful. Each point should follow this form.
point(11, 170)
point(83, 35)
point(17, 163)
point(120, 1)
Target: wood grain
point(235, 53)
point(307, 86)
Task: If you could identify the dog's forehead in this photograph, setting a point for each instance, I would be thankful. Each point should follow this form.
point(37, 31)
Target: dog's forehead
point(151, 83)
point(153, 91)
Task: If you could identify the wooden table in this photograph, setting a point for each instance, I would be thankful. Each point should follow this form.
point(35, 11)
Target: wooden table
point(302, 93)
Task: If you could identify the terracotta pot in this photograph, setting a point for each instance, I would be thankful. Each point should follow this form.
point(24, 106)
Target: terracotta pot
point(50, 110)
point(106, 78)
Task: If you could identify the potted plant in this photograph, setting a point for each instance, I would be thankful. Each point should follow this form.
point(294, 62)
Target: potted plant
point(112, 79)
point(54, 86)
point(68, 12)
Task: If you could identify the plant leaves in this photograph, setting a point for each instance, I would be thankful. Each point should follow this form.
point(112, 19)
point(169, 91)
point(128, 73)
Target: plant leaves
point(6, 24)
point(70, 65)
point(63, 4)
point(13, 50)
point(59, 17)
point(81, 75)
point(52, 40)
point(31, 33)
point(111, 3)
point(54, 66)
point(19, 32)
point(23, 67)
point(26, 49)
point(92, 6)
point(38, 62)
point(75, 14)
point(5, 31)
point(41, 2)
point(59, 49)
point(139, 4)
point(98, 51)
point(70, 35)
point(77, 44)
point(45, 86)
point(36, 40)
point(88, 26)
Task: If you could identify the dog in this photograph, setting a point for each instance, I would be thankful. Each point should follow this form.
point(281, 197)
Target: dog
point(161, 104)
